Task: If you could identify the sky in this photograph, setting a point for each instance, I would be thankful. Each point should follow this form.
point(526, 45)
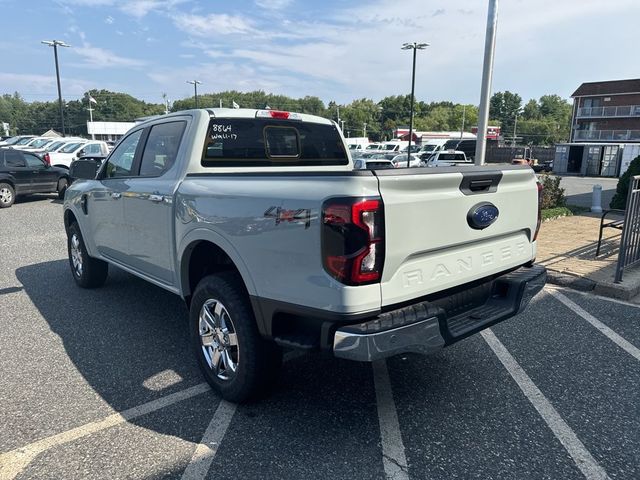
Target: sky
point(335, 49)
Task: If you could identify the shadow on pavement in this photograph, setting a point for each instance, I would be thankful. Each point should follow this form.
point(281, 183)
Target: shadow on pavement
point(129, 340)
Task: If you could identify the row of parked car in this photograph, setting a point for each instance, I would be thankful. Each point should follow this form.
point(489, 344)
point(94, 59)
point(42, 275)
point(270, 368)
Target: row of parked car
point(57, 151)
point(31, 164)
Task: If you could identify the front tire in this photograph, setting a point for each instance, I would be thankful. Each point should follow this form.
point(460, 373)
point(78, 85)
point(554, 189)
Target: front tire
point(7, 195)
point(233, 357)
point(88, 272)
point(63, 184)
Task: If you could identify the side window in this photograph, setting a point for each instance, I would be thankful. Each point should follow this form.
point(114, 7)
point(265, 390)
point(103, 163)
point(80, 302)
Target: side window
point(93, 149)
point(33, 161)
point(161, 149)
point(120, 162)
point(14, 158)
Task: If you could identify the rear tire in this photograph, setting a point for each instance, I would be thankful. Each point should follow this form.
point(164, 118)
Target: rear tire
point(233, 357)
point(63, 184)
point(88, 272)
point(7, 195)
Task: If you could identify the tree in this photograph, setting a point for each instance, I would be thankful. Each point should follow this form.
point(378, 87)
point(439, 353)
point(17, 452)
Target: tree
point(504, 107)
point(531, 110)
point(619, 200)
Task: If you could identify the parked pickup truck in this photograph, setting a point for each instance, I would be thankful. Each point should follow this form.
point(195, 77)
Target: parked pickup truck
point(258, 220)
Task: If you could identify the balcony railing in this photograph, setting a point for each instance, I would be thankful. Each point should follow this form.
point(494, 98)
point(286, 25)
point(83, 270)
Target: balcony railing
point(609, 112)
point(608, 135)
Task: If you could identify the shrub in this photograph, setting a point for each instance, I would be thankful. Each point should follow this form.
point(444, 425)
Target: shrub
point(557, 212)
point(619, 200)
point(553, 193)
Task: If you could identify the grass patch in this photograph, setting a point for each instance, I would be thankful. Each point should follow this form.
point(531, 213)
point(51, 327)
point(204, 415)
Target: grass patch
point(557, 212)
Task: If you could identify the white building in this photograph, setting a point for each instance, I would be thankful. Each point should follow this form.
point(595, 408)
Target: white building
point(108, 130)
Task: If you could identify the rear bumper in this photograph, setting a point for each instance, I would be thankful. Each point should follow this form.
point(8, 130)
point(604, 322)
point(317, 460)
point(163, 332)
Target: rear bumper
point(426, 327)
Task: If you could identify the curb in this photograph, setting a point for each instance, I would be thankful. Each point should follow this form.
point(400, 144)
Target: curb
point(570, 281)
point(612, 290)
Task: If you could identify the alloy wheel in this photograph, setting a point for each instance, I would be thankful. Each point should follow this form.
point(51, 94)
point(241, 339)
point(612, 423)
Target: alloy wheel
point(219, 339)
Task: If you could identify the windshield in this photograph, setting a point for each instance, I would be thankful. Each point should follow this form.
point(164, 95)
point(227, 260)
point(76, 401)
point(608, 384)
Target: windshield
point(390, 147)
point(40, 143)
point(428, 148)
point(23, 141)
point(12, 141)
point(373, 147)
point(70, 148)
point(54, 146)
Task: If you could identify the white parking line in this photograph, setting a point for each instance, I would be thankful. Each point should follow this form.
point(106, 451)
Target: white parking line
point(393, 456)
point(572, 444)
point(606, 331)
point(14, 462)
point(556, 288)
point(208, 447)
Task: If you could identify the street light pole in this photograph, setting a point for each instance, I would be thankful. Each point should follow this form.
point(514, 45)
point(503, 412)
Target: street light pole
point(55, 44)
point(487, 76)
point(415, 47)
point(195, 84)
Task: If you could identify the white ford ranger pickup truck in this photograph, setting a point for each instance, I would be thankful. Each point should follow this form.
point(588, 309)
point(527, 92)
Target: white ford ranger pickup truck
point(258, 220)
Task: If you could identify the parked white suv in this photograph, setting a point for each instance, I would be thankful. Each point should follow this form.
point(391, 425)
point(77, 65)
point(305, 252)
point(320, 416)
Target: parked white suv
point(71, 151)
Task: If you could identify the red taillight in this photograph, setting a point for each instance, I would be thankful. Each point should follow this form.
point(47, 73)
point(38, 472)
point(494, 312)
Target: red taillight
point(47, 158)
point(540, 188)
point(278, 114)
point(353, 239)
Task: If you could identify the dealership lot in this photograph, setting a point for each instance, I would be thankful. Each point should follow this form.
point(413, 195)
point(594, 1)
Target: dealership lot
point(102, 384)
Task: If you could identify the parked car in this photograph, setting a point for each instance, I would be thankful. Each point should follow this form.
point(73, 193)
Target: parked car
point(431, 147)
point(18, 139)
point(468, 146)
point(546, 167)
point(447, 159)
point(401, 160)
point(35, 143)
point(258, 221)
point(23, 173)
point(68, 153)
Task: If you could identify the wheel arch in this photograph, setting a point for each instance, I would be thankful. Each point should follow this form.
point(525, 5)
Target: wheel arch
point(216, 253)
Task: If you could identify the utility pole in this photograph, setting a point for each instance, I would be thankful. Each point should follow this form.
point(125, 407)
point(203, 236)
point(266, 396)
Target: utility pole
point(55, 44)
point(515, 123)
point(342, 126)
point(364, 130)
point(338, 110)
point(195, 84)
point(415, 47)
point(487, 77)
point(464, 112)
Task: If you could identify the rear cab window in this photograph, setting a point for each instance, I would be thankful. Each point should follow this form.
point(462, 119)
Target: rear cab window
point(259, 142)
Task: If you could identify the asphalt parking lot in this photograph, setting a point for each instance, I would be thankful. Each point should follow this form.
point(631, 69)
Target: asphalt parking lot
point(101, 384)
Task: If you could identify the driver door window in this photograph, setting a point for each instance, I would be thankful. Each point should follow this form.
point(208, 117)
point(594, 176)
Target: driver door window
point(120, 163)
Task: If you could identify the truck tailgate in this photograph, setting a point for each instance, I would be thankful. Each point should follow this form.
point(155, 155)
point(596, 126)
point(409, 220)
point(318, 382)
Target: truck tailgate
point(430, 243)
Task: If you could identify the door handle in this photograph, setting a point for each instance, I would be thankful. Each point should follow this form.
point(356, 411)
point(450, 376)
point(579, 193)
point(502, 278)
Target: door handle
point(156, 198)
point(116, 195)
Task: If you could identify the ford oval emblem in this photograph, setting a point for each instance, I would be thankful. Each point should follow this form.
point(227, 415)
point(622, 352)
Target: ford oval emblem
point(482, 215)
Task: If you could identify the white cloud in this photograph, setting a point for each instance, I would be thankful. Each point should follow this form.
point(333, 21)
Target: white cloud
point(273, 4)
point(213, 25)
point(134, 8)
point(96, 57)
point(109, 20)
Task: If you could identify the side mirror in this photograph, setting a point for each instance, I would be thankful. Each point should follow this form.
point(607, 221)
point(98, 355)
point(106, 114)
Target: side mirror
point(84, 169)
